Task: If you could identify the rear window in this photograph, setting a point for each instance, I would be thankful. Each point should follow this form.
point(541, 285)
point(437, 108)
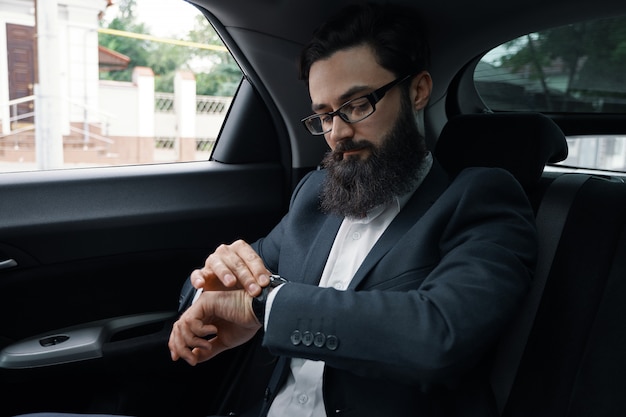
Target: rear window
point(574, 69)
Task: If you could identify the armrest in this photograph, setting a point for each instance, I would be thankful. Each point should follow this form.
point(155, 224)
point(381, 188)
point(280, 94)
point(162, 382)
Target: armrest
point(74, 343)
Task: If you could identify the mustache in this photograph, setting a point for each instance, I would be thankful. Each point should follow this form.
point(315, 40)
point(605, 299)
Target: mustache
point(350, 145)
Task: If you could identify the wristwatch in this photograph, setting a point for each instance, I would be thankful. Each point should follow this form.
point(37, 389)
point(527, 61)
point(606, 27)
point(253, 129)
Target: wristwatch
point(258, 302)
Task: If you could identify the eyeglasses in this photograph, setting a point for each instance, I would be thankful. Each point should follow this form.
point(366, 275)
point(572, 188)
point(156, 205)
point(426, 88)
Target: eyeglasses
point(351, 111)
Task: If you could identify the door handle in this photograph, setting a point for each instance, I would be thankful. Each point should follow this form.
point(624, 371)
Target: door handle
point(9, 263)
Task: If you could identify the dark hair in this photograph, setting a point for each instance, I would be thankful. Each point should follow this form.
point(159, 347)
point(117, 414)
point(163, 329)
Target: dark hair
point(394, 32)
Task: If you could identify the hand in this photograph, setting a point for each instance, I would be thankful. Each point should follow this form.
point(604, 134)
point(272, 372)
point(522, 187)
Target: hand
point(226, 315)
point(232, 266)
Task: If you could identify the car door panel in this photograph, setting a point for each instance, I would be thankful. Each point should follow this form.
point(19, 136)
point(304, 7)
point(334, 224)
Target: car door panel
point(96, 245)
point(125, 228)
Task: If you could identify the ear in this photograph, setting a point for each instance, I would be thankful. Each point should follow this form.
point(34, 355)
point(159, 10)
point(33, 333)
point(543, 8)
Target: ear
point(421, 86)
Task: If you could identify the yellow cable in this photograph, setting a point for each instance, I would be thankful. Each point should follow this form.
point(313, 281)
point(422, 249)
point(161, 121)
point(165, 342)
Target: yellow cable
point(162, 40)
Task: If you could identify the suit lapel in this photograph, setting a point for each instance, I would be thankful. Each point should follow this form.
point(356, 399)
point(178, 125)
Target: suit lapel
point(313, 266)
point(434, 184)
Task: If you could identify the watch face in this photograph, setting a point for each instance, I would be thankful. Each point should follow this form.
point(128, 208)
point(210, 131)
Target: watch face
point(276, 280)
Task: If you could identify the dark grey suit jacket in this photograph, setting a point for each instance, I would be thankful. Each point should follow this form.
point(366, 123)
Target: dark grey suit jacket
point(412, 333)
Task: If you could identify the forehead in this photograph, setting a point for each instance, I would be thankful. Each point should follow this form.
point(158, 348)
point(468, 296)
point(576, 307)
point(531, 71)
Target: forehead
point(346, 70)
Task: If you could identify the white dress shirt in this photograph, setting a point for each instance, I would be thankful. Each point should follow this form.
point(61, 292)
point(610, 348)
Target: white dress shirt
point(302, 393)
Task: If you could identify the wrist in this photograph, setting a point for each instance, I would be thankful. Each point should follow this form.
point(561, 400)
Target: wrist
point(259, 302)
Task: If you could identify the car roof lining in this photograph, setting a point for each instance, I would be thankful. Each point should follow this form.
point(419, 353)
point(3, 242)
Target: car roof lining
point(270, 25)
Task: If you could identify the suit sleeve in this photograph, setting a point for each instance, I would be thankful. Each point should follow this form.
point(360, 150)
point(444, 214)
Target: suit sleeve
point(269, 247)
point(432, 322)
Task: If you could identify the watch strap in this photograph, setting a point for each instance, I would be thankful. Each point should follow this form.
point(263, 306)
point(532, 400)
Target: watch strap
point(259, 302)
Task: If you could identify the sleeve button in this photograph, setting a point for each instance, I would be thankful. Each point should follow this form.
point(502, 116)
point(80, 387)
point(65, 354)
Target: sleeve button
point(319, 339)
point(307, 338)
point(332, 342)
point(296, 337)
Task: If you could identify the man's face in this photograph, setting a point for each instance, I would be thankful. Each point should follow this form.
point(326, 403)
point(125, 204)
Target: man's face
point(349, 74)
point(373, 160)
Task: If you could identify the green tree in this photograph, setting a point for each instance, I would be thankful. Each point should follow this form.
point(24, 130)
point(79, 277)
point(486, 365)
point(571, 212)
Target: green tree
point(164, 59)
point(137, 50)
point(165, 62)
point(216, 71)
point(223, 75)
point(588, 57)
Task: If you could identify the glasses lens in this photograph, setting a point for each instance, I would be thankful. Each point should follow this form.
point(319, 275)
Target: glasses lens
point(356, 110)
point(314, 124)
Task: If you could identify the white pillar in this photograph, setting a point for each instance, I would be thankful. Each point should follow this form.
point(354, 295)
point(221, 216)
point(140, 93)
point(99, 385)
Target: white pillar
point(80, 33)
point(48, 138)
point(5, 113)
point(185, 103)
point(143, 78)
point(185, 108)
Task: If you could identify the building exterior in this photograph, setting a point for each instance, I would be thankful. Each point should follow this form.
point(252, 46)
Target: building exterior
point(54, 110)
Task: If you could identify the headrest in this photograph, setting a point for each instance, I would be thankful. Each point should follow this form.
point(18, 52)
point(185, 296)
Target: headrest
point(522, 143)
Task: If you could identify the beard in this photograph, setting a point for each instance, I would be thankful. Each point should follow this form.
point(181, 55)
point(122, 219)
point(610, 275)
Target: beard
point(353, 186)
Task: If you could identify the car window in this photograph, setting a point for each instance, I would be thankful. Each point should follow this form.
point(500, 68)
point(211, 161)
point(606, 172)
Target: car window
point(136, 85)
point(577, 68)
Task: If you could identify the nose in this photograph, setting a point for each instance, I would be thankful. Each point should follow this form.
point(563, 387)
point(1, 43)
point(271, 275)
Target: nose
point(341, 130)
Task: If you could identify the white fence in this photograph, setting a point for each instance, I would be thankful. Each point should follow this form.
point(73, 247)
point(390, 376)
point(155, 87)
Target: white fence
point(132, 124)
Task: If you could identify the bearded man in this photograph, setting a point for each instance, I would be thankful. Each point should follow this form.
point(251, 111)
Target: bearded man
point(397, 279)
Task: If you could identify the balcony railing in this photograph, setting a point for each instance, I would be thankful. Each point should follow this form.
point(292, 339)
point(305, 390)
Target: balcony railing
point(164, 103)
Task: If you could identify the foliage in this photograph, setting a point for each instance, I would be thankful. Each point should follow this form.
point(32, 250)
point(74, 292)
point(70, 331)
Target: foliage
point(222, 81)
point(138, 50)
point(589, 58)
point(216, 72)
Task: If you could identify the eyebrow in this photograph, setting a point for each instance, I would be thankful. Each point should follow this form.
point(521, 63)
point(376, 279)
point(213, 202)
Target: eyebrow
point(348, 95)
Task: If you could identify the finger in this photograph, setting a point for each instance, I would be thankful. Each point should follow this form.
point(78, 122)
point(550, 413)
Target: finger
point(175, 342)
point(197, 278)
point(206, 279)
point(223, 264)
point(254, 263)
point(191, 348)
point(238, 265)
point(187, 339)
point(217, 347)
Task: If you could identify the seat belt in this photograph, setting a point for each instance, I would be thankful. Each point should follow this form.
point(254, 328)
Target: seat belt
point(550, 219)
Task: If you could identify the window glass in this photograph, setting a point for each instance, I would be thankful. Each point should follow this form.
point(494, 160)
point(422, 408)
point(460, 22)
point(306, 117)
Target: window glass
point(578, 68)
point(141, 82)
point(574, 68)
point(597, 152)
